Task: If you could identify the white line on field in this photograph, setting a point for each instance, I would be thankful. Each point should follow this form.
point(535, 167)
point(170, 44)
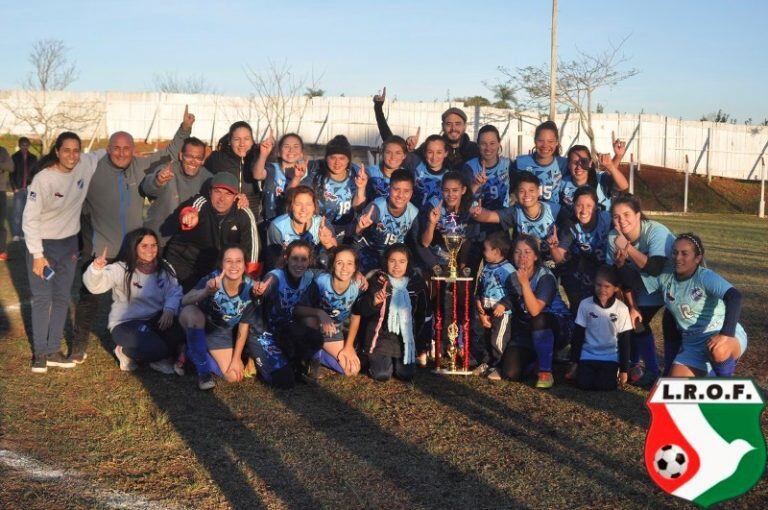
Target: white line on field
point(76, 483)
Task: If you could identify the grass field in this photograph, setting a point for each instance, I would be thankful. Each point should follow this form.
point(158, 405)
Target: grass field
point(351, 443)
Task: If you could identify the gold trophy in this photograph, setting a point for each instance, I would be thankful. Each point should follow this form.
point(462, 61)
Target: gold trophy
point(451, 352)
point(453, 244)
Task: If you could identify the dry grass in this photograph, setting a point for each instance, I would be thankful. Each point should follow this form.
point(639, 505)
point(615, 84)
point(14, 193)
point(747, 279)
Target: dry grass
point(436, 443)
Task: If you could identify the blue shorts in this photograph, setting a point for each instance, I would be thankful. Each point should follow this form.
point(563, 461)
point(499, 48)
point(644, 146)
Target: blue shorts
point(694, 352)
point(219, 337)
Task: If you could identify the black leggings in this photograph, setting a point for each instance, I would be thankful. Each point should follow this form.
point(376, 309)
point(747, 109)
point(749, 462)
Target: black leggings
point(516, 358)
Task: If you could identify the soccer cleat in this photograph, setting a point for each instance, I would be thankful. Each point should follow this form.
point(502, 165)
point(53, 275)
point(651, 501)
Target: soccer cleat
point(126, 363)
point(647, 380)
point(78, 358)
point(205, 382)
point(39, 365)
point(570, 375)
point(493, 375)
point(163, 366)
point(545, 380)
point(3, 256)
point(312, 372)
point(636, 372)
point(481, 370)
point(178, 367)
point(57, 359)
point(421, 359)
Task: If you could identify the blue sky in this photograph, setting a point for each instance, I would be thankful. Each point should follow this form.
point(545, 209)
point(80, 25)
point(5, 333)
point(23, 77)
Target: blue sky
point(693, 56)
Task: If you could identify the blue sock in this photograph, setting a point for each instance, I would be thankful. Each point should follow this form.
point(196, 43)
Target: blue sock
point(725, 368)
point(646, 346)
point(328, 361)
point(197, 351)
point(671, 350)
point(544, 344)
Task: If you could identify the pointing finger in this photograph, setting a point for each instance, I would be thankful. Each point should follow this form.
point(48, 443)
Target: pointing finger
point(384, 93)
point(613, 137)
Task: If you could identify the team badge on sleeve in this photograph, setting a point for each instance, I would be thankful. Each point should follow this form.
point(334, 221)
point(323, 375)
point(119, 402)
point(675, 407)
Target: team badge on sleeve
point(705, 443)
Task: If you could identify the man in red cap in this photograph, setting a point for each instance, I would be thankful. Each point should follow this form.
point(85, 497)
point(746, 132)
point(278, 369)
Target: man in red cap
point(208, 224)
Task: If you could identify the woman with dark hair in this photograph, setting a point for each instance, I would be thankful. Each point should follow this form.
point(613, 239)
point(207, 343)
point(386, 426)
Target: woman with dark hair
point(545, 162)
point(583, 172)
point(448, 214)
point(641, 249)
point(145, 301)
point(542, 319)
point(289, 171)
point(235, 154)
point(490, 171)
point(398, 310)
point(706, 309)
point(51, 222)
point(394, 154)
point(578, 245)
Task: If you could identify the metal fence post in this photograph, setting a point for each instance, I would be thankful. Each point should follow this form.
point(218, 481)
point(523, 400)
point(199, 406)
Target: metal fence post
point(685, 192)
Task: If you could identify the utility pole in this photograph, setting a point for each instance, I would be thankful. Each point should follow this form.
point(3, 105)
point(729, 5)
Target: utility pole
point(553, 65)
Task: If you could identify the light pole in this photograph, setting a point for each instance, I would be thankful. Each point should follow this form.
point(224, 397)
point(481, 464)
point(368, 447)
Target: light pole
point(553, 64)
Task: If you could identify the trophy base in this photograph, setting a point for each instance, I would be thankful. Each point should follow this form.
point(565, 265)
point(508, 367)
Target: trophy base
point(445, 371)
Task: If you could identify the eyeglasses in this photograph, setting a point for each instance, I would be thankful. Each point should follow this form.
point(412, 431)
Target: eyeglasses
point(584, 163)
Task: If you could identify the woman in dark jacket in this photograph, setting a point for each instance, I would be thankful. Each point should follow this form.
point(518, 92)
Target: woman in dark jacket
point(236, 154)
point(399, 317)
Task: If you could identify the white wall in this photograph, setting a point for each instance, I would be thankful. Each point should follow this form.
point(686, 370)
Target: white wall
point(734, 150)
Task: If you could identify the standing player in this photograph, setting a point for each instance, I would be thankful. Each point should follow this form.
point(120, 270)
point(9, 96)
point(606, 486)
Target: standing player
point(545, 162)
point(490, 172)
point(582, 172)
point(289, 171)
point(395, 152)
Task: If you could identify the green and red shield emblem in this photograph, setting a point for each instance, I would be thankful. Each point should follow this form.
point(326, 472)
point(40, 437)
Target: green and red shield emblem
point(704, 443)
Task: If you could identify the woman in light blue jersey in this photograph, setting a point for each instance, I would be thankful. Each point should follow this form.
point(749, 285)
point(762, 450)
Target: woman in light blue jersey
point(395, 152)
point(639, 246)
point(490, 172)
point(706, 309)
point(429, 171)
point(545, 162)
point(289, 171)
point(582, 172)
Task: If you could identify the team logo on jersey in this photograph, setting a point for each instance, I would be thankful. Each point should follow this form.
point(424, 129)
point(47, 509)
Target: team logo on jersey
point(32, 196)
point(697, 294)
point(58, 195)
point(593, 315)
point(138, 285)
point(704, 443)
point(327, 195)
point(669, 295)
point(613, 317)
point(686, 312)
point(80, 183)
point(278, 191)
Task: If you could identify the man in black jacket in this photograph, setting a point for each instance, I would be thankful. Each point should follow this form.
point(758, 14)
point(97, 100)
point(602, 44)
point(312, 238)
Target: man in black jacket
point(208, 224)
point(460, 148)
point(24, 163)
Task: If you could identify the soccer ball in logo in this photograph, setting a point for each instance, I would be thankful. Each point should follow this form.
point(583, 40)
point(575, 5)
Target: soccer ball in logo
point(670, 461)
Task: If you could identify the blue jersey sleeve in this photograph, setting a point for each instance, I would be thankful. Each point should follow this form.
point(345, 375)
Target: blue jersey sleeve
point(659, 240)
point(506, 217)
point(715, 284)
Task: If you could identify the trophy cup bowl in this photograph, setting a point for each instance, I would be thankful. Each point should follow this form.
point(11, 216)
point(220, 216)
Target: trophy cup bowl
point(453, 244)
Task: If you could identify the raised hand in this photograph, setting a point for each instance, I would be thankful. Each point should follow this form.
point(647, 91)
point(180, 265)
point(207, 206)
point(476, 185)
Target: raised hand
point(325, 234)
point(434, 214)
point(188, 120)
point(381, 296)
point(260, 288)
point(190, 219)
point(522, 276)
point(242, 201)
point(365, 221)
point(619, 146)
point(101, 261)
point(164, 175)
point(266, 145)
point(213, 285)
point(299, 171)
point(381, 97)
point(552, 239)
point(621, 240)
point(413, 141)
point(606, 161)
point(361, 178)
point(480, 179)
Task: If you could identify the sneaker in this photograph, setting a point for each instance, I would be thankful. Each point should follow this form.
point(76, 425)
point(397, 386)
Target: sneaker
point(481, 370)
point(57, 359)
point(570, 375)
point(163, 366)
point(16, 239)
point(39, 365)
point(636, 373)
point(312, 372)
point(493, 375)
point(647, 380)
point(3, 256)
point(78, 358)
point(126, 363)
point(205, 382)
point(545, 380)
point(178, 367)
point(421, 359)
point(249, 370)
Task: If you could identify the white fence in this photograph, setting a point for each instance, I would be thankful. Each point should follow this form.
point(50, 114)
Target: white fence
point(716, 149)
